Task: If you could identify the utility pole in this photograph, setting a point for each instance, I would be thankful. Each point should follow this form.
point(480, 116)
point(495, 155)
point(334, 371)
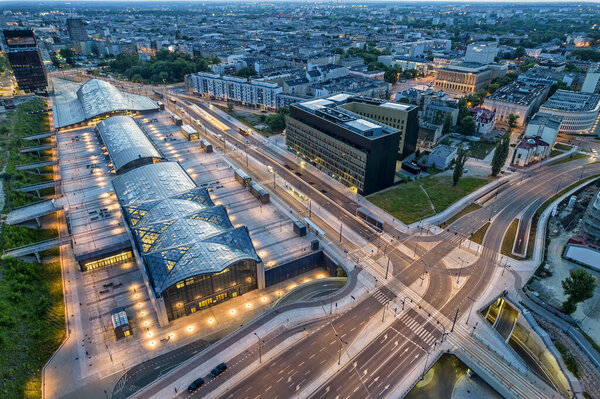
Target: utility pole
point(473, 303)
point(454, 322)
point(259, 348)
point(387, 269)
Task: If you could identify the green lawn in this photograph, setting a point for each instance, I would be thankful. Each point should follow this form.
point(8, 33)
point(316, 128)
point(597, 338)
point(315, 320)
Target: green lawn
point(18, 125)
point(554, 153)
point(572, 157)
point(509, 238)
point(31, 297)
point(480, 149)
point(408, 203)
point(561, 146)
point(479, 234)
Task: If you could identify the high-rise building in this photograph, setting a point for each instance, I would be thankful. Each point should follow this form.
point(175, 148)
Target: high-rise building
point(591, 220)
point(358, 151)
point(25, 59)
point(76, 30)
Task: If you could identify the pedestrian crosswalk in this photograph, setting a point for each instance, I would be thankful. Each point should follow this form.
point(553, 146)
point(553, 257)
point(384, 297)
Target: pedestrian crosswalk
point(381, 297)
point(418, 328)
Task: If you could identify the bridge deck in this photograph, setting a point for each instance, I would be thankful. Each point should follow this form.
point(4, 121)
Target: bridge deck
point(38, 186)
point(36, 165)
point(36, 247)
point(37, 148)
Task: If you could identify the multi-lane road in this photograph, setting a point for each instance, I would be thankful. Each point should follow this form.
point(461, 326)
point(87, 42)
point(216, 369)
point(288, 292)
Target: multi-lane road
point(388, 359)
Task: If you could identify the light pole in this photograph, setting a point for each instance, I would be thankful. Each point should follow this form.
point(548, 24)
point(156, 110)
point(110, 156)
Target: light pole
point(387, 269)
point(340, 350)
point(470, 309)
point(259, 348)
point(424, 272)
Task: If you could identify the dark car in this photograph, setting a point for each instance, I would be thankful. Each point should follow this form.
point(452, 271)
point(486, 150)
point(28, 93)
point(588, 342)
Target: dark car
point(219, 369)
point(196, 384)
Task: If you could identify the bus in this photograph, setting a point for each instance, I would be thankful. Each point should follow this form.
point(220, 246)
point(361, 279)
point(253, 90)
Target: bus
point(244, 132)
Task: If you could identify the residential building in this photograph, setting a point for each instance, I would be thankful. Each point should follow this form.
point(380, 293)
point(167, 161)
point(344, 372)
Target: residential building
point(484, 118)
point(242, 91)
point(25, 59)
point(538, 139)
point(481, 53)
point(441, 157)
point(358, 151)
point(518, 98)
point(76, 30)
point(579, 110)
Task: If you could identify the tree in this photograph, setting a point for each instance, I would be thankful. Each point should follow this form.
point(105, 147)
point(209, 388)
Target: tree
point(246, 72)
point(229, 105)
point(579, 286)
point(404, 100)
point(467, 126)
point(500, 154)
point(512, 121)
point(447, 123)
point(519, 52)
point(459, 167)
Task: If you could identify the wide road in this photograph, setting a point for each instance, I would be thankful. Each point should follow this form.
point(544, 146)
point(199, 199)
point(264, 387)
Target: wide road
point(500, 210)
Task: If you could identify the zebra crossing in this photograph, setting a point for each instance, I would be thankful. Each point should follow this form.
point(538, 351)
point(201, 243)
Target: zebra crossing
point(418, 328)
point(381, 297)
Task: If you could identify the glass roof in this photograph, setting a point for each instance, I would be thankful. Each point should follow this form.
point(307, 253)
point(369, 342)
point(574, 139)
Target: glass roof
point(125, 141)
point(211, 255)
point(97, 97)
point(152, 182)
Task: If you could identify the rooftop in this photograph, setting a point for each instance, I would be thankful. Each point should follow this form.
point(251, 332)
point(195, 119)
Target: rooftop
point(570, 101)
point(179, 230)
point(518, 92)
point(545, 119)
point(97, 97)
point(329, 109)
point(125, 141)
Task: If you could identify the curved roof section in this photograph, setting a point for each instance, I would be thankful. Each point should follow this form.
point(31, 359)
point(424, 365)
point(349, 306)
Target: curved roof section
point(152, 182)
point(125, 141)
point(97, 97)
point(211, 255)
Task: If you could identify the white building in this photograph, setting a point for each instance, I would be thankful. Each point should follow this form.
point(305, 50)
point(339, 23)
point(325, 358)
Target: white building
point(240, 90)
point(481, 53)
point(591, 84)
point(441, 157)
point(579, 110)
point(517, 98)
point(538, 139)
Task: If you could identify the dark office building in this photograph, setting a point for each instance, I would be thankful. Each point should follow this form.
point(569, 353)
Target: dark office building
point(355, 149)
point(76, 30)
point(25, 59)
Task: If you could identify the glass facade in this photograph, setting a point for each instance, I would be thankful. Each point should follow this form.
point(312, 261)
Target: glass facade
point(111, 260)
point(198, 292)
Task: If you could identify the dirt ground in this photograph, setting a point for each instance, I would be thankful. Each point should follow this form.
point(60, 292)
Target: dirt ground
point(550, 288)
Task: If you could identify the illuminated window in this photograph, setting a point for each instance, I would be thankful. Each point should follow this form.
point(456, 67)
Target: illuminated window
point(180, 284)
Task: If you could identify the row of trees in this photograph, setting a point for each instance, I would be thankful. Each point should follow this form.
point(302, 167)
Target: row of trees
point(165, 67)
point(503, 146)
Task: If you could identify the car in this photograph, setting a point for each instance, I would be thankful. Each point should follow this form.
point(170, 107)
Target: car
point(196, 384)
point(219, 369)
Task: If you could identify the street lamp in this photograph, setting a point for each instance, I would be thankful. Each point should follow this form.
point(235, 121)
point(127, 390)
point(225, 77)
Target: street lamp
point(260, 341)
point(470, 309)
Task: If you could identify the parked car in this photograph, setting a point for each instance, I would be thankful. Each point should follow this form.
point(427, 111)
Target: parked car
point(196, 384)
point(219, 369)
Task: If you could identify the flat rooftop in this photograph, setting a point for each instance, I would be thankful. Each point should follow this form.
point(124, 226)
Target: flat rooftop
point(329, 108)
point(570, 101)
